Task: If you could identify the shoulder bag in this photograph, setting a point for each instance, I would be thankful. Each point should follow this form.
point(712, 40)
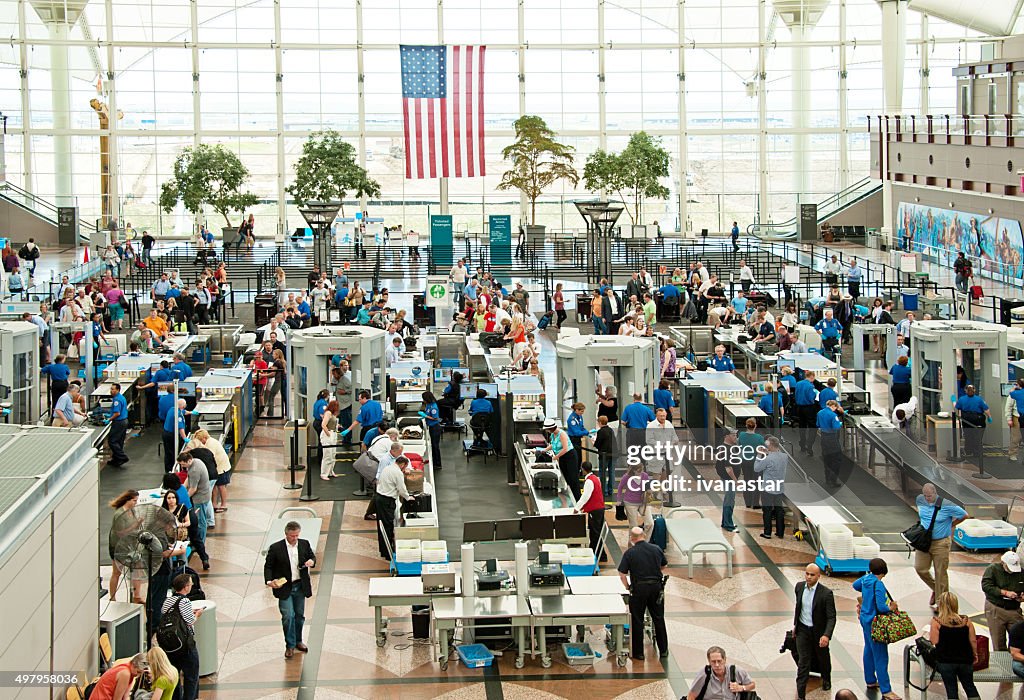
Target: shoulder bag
point(892, 627)
point(918, 537)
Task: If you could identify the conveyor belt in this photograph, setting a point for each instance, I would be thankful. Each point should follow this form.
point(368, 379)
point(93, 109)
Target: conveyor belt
point(919, 467)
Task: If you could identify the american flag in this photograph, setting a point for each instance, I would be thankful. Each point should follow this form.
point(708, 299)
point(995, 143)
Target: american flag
point(444, 131)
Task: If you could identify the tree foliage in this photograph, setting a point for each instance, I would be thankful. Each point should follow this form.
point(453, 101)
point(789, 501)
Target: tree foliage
point(638, 170)
point(328, 171)
point(208, 175)
point(538, 161)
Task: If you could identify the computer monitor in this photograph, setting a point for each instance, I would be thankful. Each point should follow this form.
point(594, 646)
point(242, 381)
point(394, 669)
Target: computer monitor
point(1006, 387)
point(538, 527)
point(478, 531)
point(508, 530)
point(442, 374)
point(490, 388)
point(468, 390)
point(570, 526)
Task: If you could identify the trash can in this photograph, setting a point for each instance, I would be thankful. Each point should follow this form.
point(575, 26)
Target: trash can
point(909, 298)
point(265, 308)
point(421, 622)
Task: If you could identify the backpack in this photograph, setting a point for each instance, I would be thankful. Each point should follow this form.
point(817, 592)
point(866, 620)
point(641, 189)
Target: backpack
point(659, 535)
point(197, 592)
point(173, 634)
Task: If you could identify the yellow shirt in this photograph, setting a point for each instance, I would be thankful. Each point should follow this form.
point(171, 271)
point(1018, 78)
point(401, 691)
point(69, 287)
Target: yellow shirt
point(157, 325)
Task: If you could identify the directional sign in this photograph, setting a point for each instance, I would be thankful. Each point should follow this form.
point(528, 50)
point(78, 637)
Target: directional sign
point(961, 306)
point(437, 292)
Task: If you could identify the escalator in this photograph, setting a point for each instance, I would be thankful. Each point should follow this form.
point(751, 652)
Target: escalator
point(24, 203)
point(827, 208)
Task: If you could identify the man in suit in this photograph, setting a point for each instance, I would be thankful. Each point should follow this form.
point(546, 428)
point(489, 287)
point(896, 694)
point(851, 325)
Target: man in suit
point(813, 624)
point(287, 572)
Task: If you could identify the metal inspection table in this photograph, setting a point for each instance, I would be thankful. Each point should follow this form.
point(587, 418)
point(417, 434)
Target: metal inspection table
point(597, 585)
point(310, 527)
point(449, 611)
point(400, 590)
point(607, 609)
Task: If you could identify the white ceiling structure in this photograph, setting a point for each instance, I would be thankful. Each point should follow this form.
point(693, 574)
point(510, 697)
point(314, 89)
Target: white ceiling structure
point(995, 17)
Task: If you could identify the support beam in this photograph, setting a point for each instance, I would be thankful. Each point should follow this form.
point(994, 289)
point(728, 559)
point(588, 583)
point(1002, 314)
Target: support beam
point(282, 195)
point(894, 34)
point(684, 165)
point(763, 212)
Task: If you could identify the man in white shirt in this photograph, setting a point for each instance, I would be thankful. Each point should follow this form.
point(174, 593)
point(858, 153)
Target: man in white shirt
point(286, 571)
point(703, 272)
point(903, 414)
point(746, 276)
point(660, 433)
point(390, 488)
point(458, 275)
point(382, 444)
point(833, 268)
point(394, 353)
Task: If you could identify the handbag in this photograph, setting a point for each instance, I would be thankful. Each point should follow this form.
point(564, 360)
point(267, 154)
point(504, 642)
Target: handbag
point(918, 537)
point(889, 628)
point(925, 650)
point(981, 641)
point(620, 511)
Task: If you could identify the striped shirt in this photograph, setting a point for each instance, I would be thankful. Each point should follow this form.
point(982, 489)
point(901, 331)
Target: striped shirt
point(187, 613)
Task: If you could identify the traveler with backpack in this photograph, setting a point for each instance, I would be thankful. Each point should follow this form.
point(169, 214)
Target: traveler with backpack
point(720, 681)
point(286, 571)
point(176, 635)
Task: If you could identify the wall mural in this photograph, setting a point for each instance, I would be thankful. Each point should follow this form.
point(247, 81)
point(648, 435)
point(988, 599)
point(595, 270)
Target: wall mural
point(994, 244)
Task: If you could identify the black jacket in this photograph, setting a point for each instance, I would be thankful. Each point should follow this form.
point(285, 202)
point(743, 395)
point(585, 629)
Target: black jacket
point(823, 609)
point(277, 566)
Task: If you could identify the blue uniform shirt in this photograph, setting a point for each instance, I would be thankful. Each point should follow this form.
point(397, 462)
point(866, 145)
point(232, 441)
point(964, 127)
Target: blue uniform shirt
point(182, 369)
point(163, 375)
point(945, 517)
point(1018, 396)
point(663, 399)
point(829, 328)
point(118, 408)
point(164, 404)
point(790, 381)
point(827, 394)
point(304, 309)
point(805, 392)
point(974, 404)
point(739, 305)
point(370, 435)
point(721, 364)
point(669, 290)
point(169, 421)
point(433, 414)
point(636, 415)
point(319, 406)
point(900, 374)
point(370, 414)
point(574, 425)
point(58, 371)
point(480, 406)
point(765, 404)
point(828, 421)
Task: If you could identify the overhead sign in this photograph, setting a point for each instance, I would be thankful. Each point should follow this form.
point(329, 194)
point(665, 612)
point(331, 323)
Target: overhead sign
point(67, 225)
point(441, 242)
point(501, 239)
point(809, 222)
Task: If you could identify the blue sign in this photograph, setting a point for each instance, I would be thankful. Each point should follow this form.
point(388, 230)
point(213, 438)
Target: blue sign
point(501, 239)
point(441, 242)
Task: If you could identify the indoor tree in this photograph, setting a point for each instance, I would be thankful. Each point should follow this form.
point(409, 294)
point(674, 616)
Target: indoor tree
point(637, 171)
point(208, 175)
point(327, 171)
point(538, 161)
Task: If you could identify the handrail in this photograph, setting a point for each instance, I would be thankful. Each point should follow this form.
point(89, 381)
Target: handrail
point(41, 207)
point(828, 207)
point(907, 127)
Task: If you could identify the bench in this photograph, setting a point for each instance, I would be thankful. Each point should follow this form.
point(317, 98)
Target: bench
point(999, 671)
point(693, 536)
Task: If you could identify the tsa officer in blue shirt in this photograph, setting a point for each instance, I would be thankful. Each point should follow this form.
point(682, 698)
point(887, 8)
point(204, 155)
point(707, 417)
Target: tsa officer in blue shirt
point(319, 406)
point(720, 362)
point(771, 399)
point(807, 411)
point(663, 398)
point(574, 427)
point(117, 417)
point(481, 404)
point(1015, 407)
point(830, 330)
point(370, 414)
point(174, 419)
point(432, 415)
point(830, 424)
point(635, 418)
point(974, 414)
point(900, 373)
point(827, 394)
point(181, 369)
point(946, 515)
point(58, 372)
point(165, 404)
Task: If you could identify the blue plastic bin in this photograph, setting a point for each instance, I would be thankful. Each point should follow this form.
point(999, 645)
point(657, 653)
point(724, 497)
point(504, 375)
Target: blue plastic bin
point(909, 299)
point(475, 655)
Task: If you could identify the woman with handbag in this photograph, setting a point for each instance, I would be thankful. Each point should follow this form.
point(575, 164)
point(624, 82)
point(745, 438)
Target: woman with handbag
point(956, 647)
point(329, 440)
point(874, 601)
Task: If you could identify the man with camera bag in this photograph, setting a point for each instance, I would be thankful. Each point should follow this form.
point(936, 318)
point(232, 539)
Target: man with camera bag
point(720, 681)
point(936, 518)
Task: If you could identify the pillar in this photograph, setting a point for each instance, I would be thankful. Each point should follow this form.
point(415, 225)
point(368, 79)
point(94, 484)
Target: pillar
point(60, 88)
point(894, 34)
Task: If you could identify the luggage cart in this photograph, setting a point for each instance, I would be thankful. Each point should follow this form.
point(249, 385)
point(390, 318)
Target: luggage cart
point(990, 544)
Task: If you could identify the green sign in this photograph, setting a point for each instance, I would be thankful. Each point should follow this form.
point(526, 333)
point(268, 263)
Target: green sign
point(441, 241)
point(438, 291)
point(501, 239)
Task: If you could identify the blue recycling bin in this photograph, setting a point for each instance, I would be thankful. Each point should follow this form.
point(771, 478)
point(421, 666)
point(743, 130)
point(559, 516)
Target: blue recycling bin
point(909, 299)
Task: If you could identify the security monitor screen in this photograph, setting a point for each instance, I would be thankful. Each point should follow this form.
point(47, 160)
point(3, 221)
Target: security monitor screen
point(491, 389)
point(478, 531)
point(538, 527)
point(570, 526)
point(508, 530)
point(468, 390)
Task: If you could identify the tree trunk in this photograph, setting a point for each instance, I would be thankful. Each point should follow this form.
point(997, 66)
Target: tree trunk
point(533, 212)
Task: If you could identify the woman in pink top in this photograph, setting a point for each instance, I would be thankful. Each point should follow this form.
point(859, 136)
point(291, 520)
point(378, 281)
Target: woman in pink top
point(559, 300)
point(633, 494)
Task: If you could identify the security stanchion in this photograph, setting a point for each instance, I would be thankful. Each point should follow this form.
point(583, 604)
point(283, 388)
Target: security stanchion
point(309, 495)
point(294, 465)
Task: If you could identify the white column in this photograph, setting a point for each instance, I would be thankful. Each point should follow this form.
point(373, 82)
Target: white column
point(602, 107)
point(442, 182)
point(801, 105)
point(925, 71)
point(684, 165)
point(762, 118)
point(844, 114)
point(521, 19)
point(26, 109)
point(196, 107)
point(282, 195)
point(61, 90)
point(894, 33)
point(361, 101)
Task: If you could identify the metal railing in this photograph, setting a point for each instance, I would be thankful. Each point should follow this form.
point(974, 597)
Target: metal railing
point(980, 129)
point(40, 207)
point(826, 208)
